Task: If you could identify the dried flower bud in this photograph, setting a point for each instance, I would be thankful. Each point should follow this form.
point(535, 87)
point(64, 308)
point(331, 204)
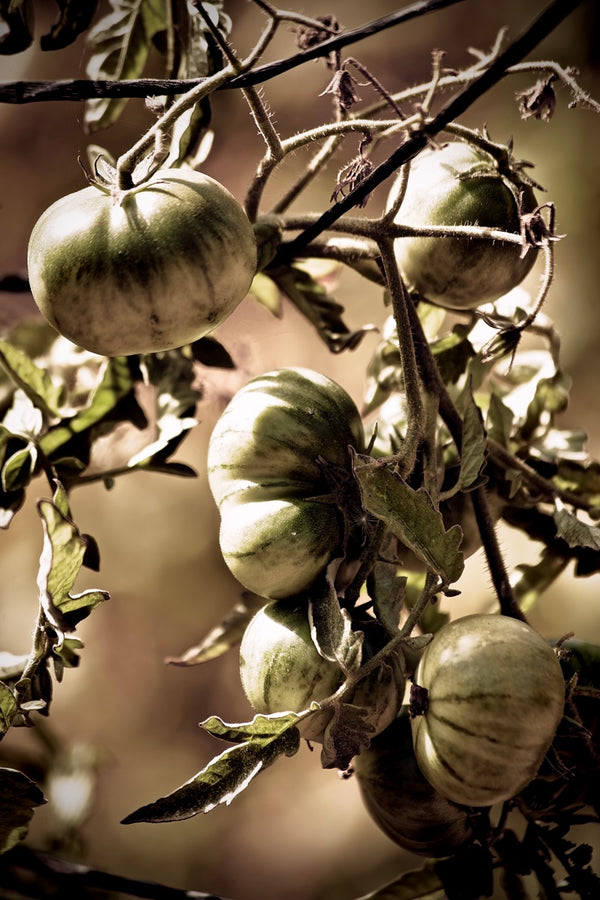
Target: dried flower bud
point(342, 88)
point(539, 101)
point(308, 36)
point(350, 176)
point(535, 231)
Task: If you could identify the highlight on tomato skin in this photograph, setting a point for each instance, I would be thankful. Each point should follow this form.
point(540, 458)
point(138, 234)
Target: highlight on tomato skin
point(495, 696)
point(142, 270)
point(459, 184)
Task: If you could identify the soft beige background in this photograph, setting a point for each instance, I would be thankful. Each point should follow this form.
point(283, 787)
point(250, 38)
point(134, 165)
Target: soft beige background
point(298, 832)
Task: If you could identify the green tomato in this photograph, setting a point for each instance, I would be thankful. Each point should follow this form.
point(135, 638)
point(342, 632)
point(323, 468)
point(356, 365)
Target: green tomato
point(142, 270)
point(402, 802)
point(281, 669)
point(459, 184)
point(271, 458)
point(493, 698)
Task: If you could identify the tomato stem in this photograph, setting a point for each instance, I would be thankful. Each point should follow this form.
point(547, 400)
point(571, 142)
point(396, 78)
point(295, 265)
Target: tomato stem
point(451, 417)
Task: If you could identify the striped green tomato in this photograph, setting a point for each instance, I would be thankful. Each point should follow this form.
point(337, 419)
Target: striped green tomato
point(271, 459)
point(142, 270)
point(281, 668)
point(459, 184)
point(494, 698)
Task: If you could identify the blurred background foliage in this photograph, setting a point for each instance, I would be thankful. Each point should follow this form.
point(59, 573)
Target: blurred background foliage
point(299, 831)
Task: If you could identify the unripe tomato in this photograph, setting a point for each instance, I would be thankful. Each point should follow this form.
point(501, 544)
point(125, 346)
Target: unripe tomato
point(142, 270)
point(281, 669)
point(459, 184)
point(495, 697)
point(280, 666)
point(268, 462)
point(402, 802)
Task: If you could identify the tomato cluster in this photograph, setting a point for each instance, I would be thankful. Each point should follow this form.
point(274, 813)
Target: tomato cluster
point(488, 691)
point(151, 268)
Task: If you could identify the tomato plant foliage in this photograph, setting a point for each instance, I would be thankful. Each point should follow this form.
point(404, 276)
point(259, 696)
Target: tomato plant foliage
point(345, 521)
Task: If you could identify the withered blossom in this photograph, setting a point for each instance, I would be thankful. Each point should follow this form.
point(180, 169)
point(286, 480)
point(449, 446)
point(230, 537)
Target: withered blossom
point(538, 102)
point(350, 176)
point(534, 228)
point(308, 36)
point(342, 88)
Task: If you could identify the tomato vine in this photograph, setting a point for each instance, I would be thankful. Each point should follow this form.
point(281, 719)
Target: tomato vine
point(367, 538)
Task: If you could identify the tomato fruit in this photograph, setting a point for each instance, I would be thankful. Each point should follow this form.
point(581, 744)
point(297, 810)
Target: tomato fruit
point(282, 669)
point(271, 459)
point(494, 699)
point(401, 801)
point(280, 666)
point(142, 270)
point(459, 184)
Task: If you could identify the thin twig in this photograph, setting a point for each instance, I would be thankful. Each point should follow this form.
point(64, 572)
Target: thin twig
point(543, 25)
point(84, 89)
point(72, 879)
point(485, 523)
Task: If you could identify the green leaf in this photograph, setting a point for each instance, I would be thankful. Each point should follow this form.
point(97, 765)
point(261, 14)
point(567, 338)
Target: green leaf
point(10, 503)
point(173, 378)
point(33, 381)
point(20, 795)
point(581, 478)
point(8, 708)
point(387, 589)
point(318, 307)
point(261, 727)
point(210, 352)
point(222, 779)
point(116, 383)
point(66, 656)
point(499, 420)
point(17, 18)
point(331, 628)
point(473, 452)
point(534, 579)
point(412, 518)
point(267, 293)
point(61, 559)
point(421, 884)
point(347, 732)
point(24, 419)
point(575, 532)
point(226, 635)
point(75, 18)
point(120, 44)
point(452, 354)
point(199, 56)
point(18, 469)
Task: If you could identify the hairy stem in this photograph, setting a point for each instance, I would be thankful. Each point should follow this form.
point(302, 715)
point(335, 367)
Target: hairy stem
point(451, 417)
